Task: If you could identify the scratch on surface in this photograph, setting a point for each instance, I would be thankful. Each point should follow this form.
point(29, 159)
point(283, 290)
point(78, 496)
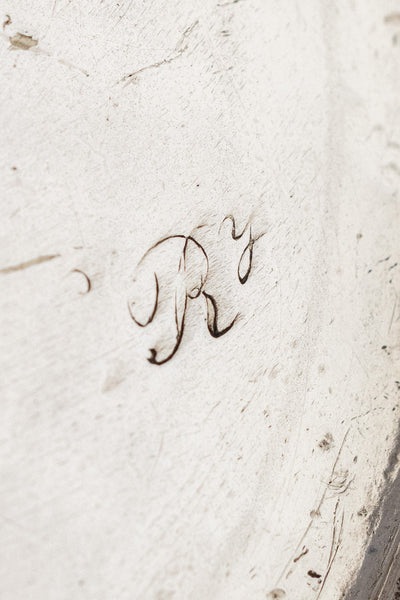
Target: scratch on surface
point(179, 49)
point(20, 41)
point(229, 3)
point(335, 545)
point(155, 463)
point(212, 410)
point(244, 407)
point(303, 553)
point(29, 263)
point(315, 512)
point(392, 317)
point(69, 65)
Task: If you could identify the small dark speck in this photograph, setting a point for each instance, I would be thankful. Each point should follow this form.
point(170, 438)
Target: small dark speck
point(372, 550)
point(359, 236)
point(393, 266)
point(370, 271)
point(326, 443)
point(384, 347)
point(13, 168)
point(314, 574)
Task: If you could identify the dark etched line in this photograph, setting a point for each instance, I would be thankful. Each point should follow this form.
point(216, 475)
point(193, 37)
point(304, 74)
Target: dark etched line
point(212, 317)
point(154, 309)
point(301, 555)
point(202, 280)
point(248, 248)
point(235, 236)
point(169, 237)
point(153, 352)
point(89, 283)
point(333, 556)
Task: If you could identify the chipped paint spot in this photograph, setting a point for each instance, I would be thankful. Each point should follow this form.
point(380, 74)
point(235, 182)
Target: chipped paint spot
point(20, 41)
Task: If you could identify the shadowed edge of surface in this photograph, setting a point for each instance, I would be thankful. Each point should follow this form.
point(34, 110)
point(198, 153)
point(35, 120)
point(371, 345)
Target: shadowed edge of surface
point(380, 570)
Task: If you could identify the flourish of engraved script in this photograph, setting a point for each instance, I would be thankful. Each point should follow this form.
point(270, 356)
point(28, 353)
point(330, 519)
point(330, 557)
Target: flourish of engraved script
point(172, 273)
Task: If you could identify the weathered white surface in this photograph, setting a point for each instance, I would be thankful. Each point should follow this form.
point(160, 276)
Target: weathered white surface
point(197, 479)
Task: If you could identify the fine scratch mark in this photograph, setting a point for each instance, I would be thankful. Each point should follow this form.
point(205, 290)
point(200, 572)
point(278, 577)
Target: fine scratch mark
point(305, 551)
point(392, 317)
point(212, 410)
point(393, 562)
point(69, 65)
point(29, 263)
point(160, 449)
point(229, 3)
point(179, 49)
point(333, 553)
point(317, 511)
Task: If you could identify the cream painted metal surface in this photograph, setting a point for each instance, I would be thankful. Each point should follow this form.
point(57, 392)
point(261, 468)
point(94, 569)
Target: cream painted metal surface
point(245, 467)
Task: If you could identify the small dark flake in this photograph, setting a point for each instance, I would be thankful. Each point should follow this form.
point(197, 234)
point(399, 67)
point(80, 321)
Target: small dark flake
point(314, 574)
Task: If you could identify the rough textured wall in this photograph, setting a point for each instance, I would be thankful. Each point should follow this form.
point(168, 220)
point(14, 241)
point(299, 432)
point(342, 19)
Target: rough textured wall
point(247, 466)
